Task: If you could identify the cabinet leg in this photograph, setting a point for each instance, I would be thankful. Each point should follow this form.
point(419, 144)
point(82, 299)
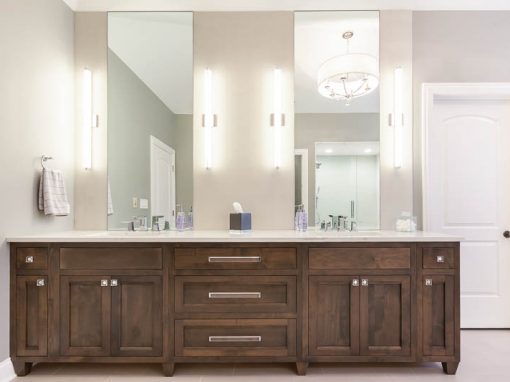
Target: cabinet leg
point(168, 369)
point(301, 368)
point(450, 368)
point(21, 368)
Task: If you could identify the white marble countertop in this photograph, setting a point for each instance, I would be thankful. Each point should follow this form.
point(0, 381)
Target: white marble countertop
point(275, 236)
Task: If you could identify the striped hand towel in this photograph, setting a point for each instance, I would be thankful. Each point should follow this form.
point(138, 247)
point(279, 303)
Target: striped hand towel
point(52, 193)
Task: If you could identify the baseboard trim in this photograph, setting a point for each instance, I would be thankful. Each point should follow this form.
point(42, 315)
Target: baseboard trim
point(6, 371)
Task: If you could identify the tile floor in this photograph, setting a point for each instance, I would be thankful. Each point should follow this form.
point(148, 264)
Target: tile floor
point(485, 358)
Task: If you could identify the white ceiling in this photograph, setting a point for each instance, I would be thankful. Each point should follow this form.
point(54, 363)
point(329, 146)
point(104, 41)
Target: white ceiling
point(264, 5)
point(346, 148)
point(158, 48)
point(318, 37)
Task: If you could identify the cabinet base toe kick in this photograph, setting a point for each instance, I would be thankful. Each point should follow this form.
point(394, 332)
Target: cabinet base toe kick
point(180, 303)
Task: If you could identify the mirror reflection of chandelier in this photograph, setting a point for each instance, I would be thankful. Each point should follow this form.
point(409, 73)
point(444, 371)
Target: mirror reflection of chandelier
point(348, 76)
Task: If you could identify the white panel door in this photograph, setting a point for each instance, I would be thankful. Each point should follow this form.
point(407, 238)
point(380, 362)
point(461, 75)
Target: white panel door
point(467, 193)
point(162, 180)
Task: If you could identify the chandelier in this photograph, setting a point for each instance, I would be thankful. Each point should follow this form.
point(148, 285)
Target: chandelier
point(349, 76)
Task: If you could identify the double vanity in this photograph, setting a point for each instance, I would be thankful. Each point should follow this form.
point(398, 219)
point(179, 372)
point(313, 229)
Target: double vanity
point(267, 296)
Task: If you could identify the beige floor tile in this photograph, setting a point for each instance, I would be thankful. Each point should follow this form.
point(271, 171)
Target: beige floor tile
point(485, 358)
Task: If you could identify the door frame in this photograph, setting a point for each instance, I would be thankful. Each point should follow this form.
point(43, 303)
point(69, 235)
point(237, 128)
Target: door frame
point(450, 90)
point(155, 142)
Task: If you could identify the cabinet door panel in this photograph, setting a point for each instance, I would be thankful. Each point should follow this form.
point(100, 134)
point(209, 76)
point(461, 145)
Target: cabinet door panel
point(85, 308)
point(333, 315)
point(438, 315)
point(385, 315)
point(137, 322)
point(31, 316)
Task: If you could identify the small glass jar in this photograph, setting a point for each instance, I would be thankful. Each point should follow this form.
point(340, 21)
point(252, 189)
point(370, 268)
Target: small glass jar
point(406, 223)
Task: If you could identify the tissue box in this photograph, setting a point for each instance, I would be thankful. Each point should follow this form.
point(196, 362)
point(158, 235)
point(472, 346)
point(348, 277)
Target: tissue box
point(240, 222)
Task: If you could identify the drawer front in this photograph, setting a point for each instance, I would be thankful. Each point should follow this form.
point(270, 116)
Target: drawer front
point(438, 258)
point(359, 258)
point(263, 294)
point(32, 258)
point(235, 258)
point(111, 258)
point(235, 338)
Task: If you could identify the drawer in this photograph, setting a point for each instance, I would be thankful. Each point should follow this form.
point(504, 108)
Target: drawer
point(111, 258)
point(359, 258)
point(235, 338)
point(235, 258)
point(263, 294)
point(32, 258)
point(438, 258)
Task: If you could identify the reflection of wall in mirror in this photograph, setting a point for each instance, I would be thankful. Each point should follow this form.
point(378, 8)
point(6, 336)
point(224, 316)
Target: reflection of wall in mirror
point(134, 114)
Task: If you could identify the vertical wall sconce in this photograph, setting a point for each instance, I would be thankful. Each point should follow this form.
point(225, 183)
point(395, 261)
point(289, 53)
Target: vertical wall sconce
point(87, 119)
point(209, 119)
point(277, 117)
point(398, 118)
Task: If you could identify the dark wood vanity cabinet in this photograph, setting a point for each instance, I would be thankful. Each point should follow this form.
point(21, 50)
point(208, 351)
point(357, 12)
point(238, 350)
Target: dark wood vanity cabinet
point(270, 302)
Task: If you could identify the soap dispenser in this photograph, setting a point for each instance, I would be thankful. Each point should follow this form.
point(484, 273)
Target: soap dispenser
point(304, 219)
point(190, 218)
point(180, 219)
point(297, 219)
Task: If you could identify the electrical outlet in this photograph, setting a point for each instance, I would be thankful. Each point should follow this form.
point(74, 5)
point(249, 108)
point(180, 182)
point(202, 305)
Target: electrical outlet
point(144, 203)
point(135, 202)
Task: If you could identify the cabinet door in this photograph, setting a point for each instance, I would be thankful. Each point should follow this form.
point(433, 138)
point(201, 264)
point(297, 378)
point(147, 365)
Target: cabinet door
point(438, 315)
point(333, 315)
point(31, 316)
point(385, 315)
point(137, 321)
point(85, 309)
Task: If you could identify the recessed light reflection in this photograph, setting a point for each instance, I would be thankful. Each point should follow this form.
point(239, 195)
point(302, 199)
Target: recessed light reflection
point(328, 151)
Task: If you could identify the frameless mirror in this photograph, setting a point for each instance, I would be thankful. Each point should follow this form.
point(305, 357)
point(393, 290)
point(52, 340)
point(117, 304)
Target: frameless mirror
point(150, 107)
point(337, 118)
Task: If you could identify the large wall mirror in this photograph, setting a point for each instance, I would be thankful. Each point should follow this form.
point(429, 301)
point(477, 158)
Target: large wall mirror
point(337, 117)
point(150, 107)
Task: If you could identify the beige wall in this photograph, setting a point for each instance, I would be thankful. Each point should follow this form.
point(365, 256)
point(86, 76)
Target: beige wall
point(36, 118)
point(91, 185)
point(395, 50)
point(242, 49)
point(456, 46)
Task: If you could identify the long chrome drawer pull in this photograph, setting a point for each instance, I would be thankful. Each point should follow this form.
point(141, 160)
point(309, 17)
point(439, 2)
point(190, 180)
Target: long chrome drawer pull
point(234, 259)
point(235, 339)
point(235, 295)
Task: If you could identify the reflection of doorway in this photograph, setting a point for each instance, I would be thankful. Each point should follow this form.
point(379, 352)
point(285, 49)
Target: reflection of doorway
point(162, 180)
point(301, 174)
point(347, 182)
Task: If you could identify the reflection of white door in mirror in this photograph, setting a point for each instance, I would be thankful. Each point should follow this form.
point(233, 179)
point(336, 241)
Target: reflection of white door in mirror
point(162, 180)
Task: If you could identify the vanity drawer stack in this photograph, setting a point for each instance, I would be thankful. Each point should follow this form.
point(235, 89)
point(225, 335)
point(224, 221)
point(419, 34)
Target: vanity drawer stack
point(439, 289)
point(235, 301)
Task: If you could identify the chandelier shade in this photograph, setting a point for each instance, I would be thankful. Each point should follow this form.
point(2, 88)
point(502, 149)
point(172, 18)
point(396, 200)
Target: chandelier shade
point(348, 76)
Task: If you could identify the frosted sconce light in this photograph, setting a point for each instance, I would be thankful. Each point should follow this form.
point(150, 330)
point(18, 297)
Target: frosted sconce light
point(277, 117)
point(87, 119)
point(208, 118)
point(398, 118)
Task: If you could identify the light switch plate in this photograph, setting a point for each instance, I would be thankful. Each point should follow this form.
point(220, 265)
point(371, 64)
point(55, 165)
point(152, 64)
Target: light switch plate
point(144, 203)
point(135, 202)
